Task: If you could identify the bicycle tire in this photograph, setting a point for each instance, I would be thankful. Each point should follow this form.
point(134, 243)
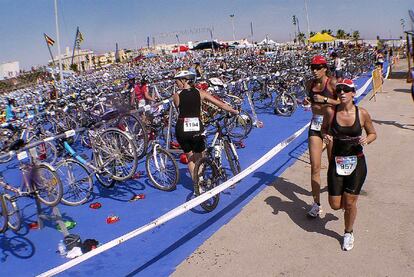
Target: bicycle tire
point(76, 181)
point(163, 164)
point(116, 148)
point(105, 181)
point(203, 183)
point(232, 158)
point(3, 214)
point(5, 136)
point(45, 179)
point(262, 100)
point(239, 126)
point(135, 127)
point(285, 104)
point(14, 221)
point(46, 152)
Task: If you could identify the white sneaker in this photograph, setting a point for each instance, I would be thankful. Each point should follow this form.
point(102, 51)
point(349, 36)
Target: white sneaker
point(348, 242)
point(315, 210)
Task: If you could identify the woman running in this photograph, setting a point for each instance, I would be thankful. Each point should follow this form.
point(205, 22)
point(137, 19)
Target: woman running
point(322, 97)
point(342, 128)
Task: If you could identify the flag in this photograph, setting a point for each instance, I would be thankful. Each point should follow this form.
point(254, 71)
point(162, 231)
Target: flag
point(49, 40)
point(78, 39)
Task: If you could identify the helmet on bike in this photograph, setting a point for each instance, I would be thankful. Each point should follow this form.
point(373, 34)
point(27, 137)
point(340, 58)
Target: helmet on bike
point(131, 77)
point(185, 74)
point(318, 60)
point(183, 158)
point(144, 80)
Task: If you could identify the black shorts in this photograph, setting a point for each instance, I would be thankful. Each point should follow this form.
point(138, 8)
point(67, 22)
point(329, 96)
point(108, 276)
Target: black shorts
point(190, 141)
point(314, 133)
point(351, 184)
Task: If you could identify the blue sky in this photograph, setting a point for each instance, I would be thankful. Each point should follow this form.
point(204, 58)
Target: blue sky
point(129, 22)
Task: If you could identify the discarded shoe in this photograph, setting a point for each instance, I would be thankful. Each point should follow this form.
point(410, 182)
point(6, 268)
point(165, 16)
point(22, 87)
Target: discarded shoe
point(137, 197)
point(112, 219)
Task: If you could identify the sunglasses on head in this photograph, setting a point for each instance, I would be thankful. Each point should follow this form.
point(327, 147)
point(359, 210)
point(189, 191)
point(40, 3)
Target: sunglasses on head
point(344, 88)
point(317, 66)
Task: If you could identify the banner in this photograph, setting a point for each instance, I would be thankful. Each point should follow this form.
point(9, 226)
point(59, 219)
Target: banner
point(376, 81)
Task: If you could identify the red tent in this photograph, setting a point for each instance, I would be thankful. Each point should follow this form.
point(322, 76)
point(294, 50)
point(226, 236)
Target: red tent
point(183, 48)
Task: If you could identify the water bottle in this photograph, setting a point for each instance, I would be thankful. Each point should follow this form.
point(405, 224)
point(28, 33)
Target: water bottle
point(62, 248)
point(217, 151)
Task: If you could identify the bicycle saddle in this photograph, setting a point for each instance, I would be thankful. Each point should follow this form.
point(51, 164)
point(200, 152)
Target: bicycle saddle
point(110, 115)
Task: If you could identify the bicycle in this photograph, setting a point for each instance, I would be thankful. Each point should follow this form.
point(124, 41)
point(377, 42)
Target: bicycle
point(115, 159)
point(39, 180)
point(209, 171)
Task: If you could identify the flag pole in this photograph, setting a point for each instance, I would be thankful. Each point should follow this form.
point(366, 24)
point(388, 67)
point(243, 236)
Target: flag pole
point(58, 43)
point(50, 51)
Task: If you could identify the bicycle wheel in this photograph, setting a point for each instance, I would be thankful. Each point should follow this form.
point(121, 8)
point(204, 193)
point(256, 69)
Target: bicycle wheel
point(206, 178)
point(13, 213)
point(3, 214)
point(232, 158)
point(5, 136)
point(162, 169)
point(133, 125)
point(46, 152)
point(116, 154)
point(76, 181)
point(285, 104)
point(239, 126)
point(262, 100)
point(46, 184)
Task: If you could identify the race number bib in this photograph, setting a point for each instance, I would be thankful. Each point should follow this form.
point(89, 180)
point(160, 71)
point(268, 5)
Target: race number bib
point(316, 122)
point(191, 124)
point(345, 165)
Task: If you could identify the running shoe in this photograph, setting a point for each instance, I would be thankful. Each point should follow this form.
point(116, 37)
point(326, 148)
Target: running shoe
point(315, 210)
point(348, 242)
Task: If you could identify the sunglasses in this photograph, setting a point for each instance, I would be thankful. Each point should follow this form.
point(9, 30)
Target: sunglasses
point(317, 66)
point(343, 88)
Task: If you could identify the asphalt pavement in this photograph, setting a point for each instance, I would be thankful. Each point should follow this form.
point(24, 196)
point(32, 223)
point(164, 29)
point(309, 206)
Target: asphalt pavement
point(272, 236)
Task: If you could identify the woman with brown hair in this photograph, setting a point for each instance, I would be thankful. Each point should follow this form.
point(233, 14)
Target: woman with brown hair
point(322, 97)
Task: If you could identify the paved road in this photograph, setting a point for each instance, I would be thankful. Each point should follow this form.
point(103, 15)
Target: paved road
point(272, 236)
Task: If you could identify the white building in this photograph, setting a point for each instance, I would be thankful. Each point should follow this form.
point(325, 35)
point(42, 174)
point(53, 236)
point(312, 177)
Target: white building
point(9, 70)
point(82, 58)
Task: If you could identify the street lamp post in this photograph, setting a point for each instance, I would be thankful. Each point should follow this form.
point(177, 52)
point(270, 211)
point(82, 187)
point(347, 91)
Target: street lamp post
point(232, 24)
point(307, 17)
point(58, 42)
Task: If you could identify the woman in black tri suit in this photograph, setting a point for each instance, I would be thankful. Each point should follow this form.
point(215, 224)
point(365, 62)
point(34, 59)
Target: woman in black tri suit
point(322, 97)
point(342, 128)
point(189, 128)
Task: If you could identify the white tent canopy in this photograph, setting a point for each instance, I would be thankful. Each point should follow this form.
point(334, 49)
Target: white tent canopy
point(266, 40)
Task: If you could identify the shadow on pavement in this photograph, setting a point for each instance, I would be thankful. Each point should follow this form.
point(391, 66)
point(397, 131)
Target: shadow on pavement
point(404, 90)
point(296, 209)
point(394, 123)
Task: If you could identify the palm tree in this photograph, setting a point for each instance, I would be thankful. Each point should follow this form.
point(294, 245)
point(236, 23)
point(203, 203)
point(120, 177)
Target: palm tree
point(355, 35)
point(329, 31)
point(340, 34)
point(301, 38)
point(324, 31)
point(312, 33)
